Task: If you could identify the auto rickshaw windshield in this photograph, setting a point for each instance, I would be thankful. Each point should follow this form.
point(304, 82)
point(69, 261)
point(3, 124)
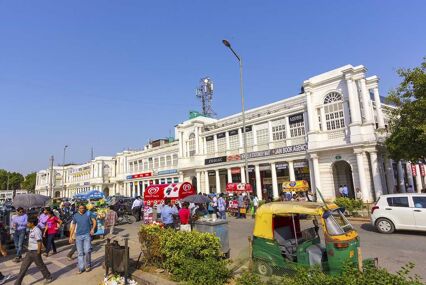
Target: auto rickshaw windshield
point(336, 223)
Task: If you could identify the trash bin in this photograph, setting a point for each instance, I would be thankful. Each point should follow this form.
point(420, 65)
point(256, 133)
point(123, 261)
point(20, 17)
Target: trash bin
point(217, 227)
point(116, 258)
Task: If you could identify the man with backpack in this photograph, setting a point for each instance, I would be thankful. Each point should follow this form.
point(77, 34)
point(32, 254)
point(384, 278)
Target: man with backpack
point(85, 223)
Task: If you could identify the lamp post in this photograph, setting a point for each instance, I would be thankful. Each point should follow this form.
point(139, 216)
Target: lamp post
point(240, 61)
point(63, 170)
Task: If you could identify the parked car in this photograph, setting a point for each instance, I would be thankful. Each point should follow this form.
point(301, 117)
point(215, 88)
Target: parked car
point(405, 211)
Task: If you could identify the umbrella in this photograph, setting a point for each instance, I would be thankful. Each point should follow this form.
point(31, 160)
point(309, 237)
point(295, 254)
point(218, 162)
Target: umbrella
point(196, 199)
point(27, 201)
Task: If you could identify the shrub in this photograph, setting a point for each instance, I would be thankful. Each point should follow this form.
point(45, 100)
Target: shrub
point(351, 205)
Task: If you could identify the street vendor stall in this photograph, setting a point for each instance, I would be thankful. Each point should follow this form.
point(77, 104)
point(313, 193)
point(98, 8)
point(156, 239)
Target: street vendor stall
point(299, 187)
point(95, 203)
point(238, 188)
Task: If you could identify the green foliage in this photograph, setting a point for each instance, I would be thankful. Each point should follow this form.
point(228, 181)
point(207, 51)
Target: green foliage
point(192, 257)
point(30, 182)
point(14, 178)
point(350, 276)
point(408, 121)
point(351, 205)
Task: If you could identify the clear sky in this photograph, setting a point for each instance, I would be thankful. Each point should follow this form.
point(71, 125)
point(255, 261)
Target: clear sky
point(113, 74)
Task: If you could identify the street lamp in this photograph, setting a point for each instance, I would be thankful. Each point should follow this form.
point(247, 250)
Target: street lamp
point(228, 45)
point(63, 171)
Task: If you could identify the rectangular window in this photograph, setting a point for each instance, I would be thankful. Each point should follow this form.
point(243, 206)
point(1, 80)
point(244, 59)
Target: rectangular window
point(151, 163)
point(176, 180)
point(162, 161)
point(210, 147)
point(145, 165)
point(140, 164)
point(234, 141)
point(221, 144)
point(297, 129)
point(334, 116)
point(175, 159)
point(168, 160)
point(131, 166)
point(278, 130)
point(419, 202)
point(156, 162)
point(398, 201)
point(262, 134)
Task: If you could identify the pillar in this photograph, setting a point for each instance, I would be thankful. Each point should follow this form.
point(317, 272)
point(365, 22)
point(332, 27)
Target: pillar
point(258, 182)
point(419, 183)
point(229, 175)
point(317, 177)
point(410, 177)
point(312, 124)
point(365, 101)
point(274, 181)
point(366, 195)
point(380, 119)
point(291, 171)
point(390, 177)
point(401, 181)
point(215, 144)
point(287, 130)
point(377, 181)
point(197, 141)
point(207, 183)
point(353, 102)
point(198, 182)
point(243, 174)
point(311, 175)
point(143, 188)
point(323, 120)
point(217, 181)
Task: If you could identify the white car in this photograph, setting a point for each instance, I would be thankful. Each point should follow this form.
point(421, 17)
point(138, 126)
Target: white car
point(406, 211)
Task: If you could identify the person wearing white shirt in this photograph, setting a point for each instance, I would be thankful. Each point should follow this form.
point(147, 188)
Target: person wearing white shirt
point(137, 208)
point(255, 205)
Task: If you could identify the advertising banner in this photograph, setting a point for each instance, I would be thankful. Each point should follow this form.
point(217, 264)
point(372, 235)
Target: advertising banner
point(413, 169)
point(422, 169)
point(155, 194)
point(296, 186)
point(238, 187)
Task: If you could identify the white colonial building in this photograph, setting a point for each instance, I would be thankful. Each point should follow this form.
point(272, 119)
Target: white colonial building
point(330, 134)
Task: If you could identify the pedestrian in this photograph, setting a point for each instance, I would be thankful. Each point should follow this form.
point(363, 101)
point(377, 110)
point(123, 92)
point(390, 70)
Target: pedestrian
point(255, 205)
point(345, 191)
point(111, 220)
point(167, 213)
point(19, 224)
point(136, 208)
point(83, 225)
point(341, 190)
point(52, 228)
point(241, 207)
point(42, 219)
point(34, 254)
point(358, 194)
point(184, 216)
point(221, 207)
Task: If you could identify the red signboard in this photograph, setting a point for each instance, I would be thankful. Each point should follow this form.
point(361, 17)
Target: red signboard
point(238, 187)
point(235, 170)
point(413, 169)
point(155, 194)
point(140, 175)
point(422, 169)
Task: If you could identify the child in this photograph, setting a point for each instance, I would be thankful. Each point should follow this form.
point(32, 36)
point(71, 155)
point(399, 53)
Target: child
point(34, 253)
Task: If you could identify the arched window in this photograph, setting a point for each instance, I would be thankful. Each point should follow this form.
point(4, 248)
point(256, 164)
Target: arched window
point(333, 109)
point(191, 144)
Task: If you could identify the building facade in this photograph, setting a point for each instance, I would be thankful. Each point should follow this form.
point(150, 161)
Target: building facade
point(330, 134)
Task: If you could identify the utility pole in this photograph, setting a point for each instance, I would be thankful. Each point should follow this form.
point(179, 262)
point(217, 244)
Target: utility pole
point(63, 172)
point(51, 177)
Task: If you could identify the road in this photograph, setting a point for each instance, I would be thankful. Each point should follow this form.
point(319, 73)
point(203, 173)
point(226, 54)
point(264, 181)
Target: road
point(393, 252)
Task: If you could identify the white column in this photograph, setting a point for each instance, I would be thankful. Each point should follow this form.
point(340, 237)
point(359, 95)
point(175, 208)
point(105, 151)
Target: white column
point(366, 195)
point(316, 169)
point(143, 187)
point(229, 175)
point(274, 181)
point(311, 175)
point(380, 120)
point(206, 182)
point(287, 130)
point(323, 121)
point(243, 174)
point(181, 144)
point(240, 138)
point(271, 135)
point(181, 177)
point(205, 145)
point(291, 171)
point(410, 177)
point(390, 175)
point(198, 182)
point(377, 181)
point(365, 101)
point(401, 180)
point(197, 140)
point(258, 182)
point(217, 181)
point(419, 183)
point(353, 102)
point(227, 140)
point(313, 125)
point(215, 144)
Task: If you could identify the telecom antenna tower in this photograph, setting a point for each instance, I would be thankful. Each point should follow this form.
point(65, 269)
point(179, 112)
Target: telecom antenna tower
point(205, 93)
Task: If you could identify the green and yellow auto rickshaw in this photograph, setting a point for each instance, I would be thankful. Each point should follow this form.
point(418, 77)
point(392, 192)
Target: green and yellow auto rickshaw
point(289, 234)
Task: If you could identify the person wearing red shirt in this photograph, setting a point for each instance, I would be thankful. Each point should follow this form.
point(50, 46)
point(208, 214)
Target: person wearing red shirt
point(184, 216)
point(53, 224)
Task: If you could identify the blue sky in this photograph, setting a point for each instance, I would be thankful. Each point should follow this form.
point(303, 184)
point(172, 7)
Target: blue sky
point(113, 74)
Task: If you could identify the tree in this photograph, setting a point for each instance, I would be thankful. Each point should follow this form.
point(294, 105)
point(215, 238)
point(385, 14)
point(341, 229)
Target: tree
point(11, 179)
point(408, 121)
point(30, 182)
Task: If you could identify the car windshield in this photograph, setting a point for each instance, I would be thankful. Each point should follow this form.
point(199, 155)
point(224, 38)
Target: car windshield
point(337, 224)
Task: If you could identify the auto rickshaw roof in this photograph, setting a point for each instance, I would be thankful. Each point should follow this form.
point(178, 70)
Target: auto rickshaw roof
point(263, 224)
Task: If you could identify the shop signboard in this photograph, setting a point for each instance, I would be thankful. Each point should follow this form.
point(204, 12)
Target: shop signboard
point(413, 169)
point(155, 194)
point(234, 157)
point(139, 175)
point(238, 187)
point(233, 133)
point(276, 151)
point(300, 164)
point(422, 169)
point(264, 167)
point(214, 160)
point(235, 170)
point(296, 186)
point(296, 118)
point(167, 172)
point(281, 166)
point(209, 138)
point(221, 135)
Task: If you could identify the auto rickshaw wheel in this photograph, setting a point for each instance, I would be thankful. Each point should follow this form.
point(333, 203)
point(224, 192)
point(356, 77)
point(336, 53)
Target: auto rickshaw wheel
point(385, 226)
point(263, 268)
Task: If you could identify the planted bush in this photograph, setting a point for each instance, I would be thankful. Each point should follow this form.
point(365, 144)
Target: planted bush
point(351, 205)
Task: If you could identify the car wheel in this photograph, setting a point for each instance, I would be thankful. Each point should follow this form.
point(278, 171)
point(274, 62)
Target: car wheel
point(385, 226)
point(263, 268)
